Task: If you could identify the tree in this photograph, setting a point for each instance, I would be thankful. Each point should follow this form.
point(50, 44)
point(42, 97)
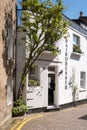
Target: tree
point(44, 25)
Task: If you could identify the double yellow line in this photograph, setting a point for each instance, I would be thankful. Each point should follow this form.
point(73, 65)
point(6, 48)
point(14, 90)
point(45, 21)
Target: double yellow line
point(20, 124)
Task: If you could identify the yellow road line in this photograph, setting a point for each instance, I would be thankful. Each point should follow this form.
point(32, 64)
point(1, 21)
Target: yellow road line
point(17, 123)
point(20, 124)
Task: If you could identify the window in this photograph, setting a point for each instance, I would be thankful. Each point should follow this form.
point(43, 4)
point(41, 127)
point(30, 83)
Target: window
point(10, 40)
point(51, 69)
point(9, 91)
point(32, 74)
point(34, 77)
point(35, 73)
point(82, 80)
point(76, 44)
point(76, 39)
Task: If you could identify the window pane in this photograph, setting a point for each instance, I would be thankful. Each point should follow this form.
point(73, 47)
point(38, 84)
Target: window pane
point(75, 39)
point(32, 74)
point(51, 69)
point(10, 41)
point(33, 71)
point(82, 80)
point(82, 75)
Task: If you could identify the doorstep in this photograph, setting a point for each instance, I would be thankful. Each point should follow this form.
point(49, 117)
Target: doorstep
point(52, 108)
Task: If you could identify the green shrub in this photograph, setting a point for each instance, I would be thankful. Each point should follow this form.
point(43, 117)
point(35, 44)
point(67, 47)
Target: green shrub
point(19, 103)
point(76, 48)
point(34, 82)
point(19, 108)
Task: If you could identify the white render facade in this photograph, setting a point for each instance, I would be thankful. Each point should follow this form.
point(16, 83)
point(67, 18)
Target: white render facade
point(67, 69)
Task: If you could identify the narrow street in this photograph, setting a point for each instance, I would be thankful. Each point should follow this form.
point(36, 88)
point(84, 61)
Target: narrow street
point(68, 119)
point(74, 118)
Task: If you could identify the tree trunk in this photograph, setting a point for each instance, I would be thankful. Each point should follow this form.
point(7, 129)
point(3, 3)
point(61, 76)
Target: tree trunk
point(23, 82)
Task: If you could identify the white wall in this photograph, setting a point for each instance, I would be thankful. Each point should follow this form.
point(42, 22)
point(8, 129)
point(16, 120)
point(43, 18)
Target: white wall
point(76, 62)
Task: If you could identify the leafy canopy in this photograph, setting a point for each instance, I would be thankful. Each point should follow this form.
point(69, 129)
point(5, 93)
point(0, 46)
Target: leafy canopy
point(43, 25)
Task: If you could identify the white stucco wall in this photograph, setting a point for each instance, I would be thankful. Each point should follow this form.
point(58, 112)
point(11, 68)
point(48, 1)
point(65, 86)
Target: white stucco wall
point(76, 62)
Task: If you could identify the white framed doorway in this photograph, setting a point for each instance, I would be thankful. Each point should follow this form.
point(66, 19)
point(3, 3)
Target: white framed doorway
point(52, 77)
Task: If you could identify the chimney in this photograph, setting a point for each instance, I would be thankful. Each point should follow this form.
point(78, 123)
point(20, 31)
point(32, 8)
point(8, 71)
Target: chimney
point(81, 13)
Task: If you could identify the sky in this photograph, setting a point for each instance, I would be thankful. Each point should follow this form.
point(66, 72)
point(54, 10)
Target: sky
point(73, 8)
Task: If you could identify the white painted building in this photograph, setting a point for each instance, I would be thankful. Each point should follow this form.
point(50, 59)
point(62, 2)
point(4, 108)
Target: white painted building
point(67, 68)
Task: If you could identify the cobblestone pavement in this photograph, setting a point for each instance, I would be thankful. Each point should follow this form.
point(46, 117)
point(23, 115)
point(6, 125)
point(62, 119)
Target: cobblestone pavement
point(68, 119)
point(74, 118)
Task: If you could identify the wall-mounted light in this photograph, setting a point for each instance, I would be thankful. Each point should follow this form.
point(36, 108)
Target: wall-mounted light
point(60, 72)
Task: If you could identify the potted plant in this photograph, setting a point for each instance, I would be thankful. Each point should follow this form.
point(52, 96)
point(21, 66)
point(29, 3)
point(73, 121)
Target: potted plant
point(34, 82)
point(76, 48)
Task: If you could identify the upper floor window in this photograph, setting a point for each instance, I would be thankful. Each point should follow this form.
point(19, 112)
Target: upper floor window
point(82, 80)
point(76, 44)
point(76, 39)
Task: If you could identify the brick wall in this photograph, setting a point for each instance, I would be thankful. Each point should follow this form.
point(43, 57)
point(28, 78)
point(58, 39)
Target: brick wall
point(7, 10)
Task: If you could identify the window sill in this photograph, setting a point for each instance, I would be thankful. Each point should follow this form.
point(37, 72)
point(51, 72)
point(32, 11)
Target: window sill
point(77, 53)
point(82, 90)
point(46, 51)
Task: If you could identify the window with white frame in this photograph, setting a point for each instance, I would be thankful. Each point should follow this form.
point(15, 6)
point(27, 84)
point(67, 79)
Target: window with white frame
point(76, 44)
point(35, 73)
point(34, 77)
point(82, 80)
point(76, 40)
point(32, 74)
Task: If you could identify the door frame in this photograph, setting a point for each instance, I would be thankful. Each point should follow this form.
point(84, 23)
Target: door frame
point(55, 103)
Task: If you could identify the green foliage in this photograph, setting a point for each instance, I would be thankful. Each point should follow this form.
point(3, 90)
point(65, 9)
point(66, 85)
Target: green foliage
point(74, 87)
point(34, 82)
point(76, 48)
point(18, 103)
point(19, 108)
point(43, 24)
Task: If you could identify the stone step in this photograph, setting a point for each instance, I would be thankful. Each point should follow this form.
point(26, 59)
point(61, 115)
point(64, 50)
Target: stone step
point(52, 108)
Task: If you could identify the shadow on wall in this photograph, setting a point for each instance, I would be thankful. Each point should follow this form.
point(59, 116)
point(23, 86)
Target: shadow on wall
point(75, 56)
point(7, 62)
